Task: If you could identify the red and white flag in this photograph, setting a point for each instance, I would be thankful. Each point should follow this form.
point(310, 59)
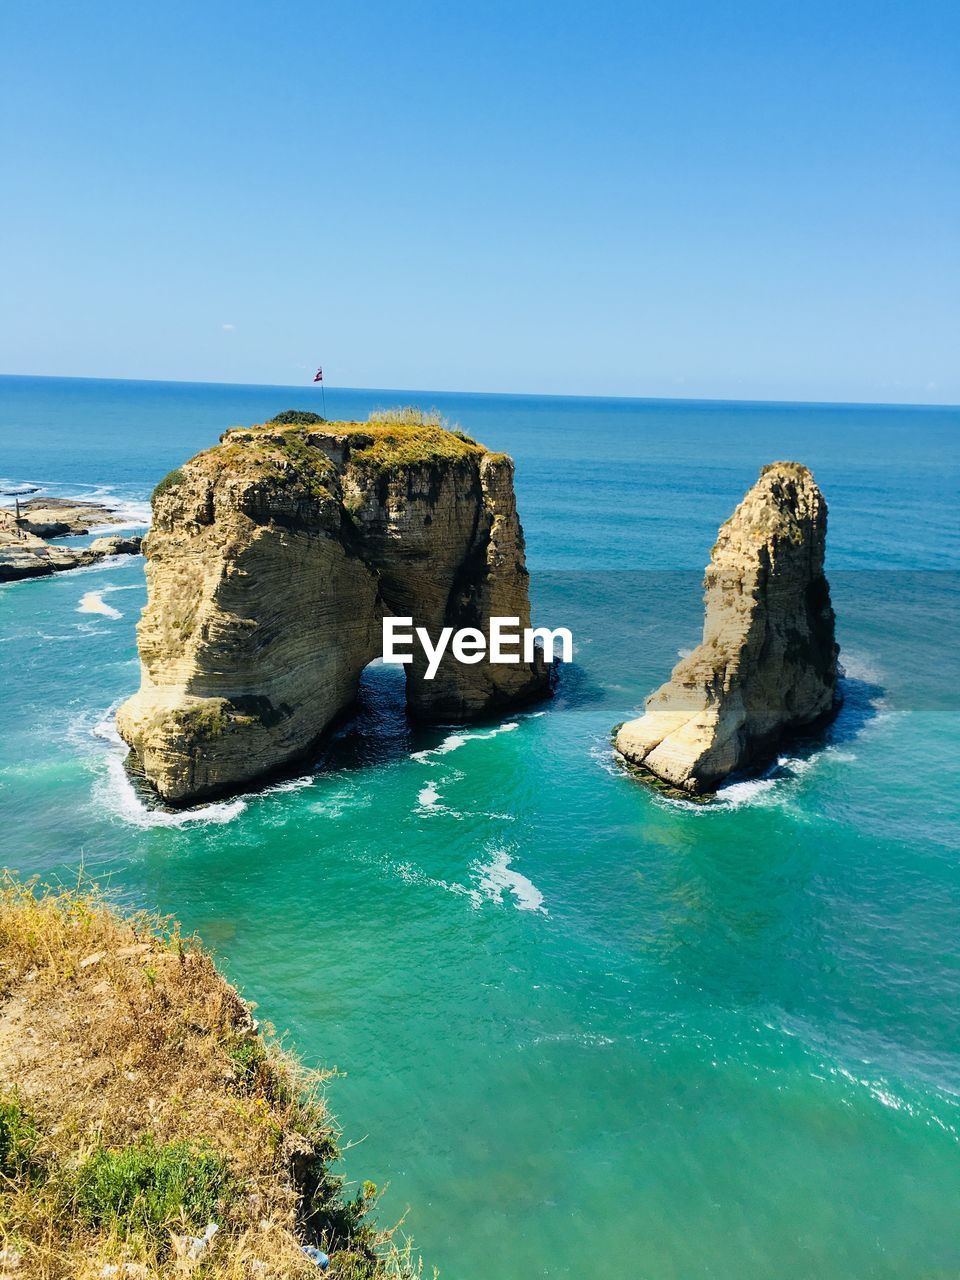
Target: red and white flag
point(319, 376)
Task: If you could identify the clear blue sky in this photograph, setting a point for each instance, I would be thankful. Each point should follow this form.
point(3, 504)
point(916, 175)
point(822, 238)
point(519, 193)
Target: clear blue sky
point(755, 199)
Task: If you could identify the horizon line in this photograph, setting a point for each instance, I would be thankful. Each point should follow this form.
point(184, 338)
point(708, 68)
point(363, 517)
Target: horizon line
point(513, 395)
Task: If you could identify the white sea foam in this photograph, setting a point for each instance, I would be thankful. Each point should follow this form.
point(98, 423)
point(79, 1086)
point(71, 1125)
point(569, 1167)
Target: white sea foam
point(749, 791)
point(410, 874)
point(454, 741)
point(93, 602)
point(342, 802)
point(115, 792)
point(289, 784)
point(497, 877)
point(608, 758)
point(428, 799)
point(133, 513)
point(429, 796)
point(587, 1039)
point(98, 566)
point(861, 666)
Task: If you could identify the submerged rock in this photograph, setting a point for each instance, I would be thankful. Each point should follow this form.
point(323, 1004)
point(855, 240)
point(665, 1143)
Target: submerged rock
point(767, 664)
point(272, 560)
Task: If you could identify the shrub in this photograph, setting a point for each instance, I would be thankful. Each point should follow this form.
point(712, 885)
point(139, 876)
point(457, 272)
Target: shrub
point(296, 418)
point(203, 722)
point(248, 1058)
point(169, 481)
point(145, 1187)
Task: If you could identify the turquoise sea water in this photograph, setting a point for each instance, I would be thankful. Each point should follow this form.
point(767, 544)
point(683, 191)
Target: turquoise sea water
point(586, 1032)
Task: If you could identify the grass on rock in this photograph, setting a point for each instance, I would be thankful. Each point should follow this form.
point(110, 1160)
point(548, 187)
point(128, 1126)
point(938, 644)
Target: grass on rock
point(408, 437)
point(148, 1104)
point(170, 481)
point(144, 1187)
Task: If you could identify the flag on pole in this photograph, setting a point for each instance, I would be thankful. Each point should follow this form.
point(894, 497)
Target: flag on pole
point(319, 376)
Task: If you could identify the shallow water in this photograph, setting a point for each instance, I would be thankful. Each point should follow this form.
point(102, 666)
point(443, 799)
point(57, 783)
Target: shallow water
point(587, 1031)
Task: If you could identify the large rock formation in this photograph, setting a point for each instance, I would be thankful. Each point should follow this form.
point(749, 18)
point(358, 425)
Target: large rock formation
point(270, 565)
point(767, 664)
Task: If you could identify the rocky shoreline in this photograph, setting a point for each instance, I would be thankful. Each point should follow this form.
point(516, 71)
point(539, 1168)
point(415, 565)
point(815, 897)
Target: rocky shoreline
point(26, 530)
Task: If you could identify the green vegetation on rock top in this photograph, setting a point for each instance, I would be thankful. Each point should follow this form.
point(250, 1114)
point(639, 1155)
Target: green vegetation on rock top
point(796, 469)
point(398, 437)
point(296, 418)
point(170, 481)
point(409, 436)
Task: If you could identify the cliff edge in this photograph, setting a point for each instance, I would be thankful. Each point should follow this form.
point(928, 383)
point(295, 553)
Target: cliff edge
point(767, 664)
point(148, 1130)
point(271, 562)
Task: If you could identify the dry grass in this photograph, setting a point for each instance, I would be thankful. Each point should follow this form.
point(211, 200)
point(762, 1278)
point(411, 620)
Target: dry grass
point(397, 437)
point(138, 1099)
point(407, 436)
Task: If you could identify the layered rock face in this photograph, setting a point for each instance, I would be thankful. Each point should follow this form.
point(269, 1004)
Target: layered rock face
point(767, 665)
point(270, 565)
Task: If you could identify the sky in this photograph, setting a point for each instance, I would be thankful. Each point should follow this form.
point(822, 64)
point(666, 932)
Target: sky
point(756, 200)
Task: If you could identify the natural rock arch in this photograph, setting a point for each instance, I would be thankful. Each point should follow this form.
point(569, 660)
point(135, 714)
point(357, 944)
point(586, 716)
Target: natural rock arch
point(270, 564)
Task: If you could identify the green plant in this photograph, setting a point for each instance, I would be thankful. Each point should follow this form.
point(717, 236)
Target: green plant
point(18, 1140)
point(145, 1187)
point(169, 481)
point(313, 465)
point(204, 722)
point(296, 417)
point(248, 1058)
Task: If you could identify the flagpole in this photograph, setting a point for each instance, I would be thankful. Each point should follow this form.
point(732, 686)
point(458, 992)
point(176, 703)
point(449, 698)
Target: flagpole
point(323, 398)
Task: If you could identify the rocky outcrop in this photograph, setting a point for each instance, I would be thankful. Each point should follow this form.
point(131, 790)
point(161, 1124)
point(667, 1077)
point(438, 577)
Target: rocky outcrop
point(116, 545)
point(270, 564)
point(767, 665)
point(63, 517)
point(24, 554)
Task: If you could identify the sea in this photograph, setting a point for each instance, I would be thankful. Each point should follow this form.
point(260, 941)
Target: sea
point(580, 1030)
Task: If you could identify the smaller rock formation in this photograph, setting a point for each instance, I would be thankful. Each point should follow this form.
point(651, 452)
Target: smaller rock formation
point(25, 554)
point(115, 545)
point(767, 665)
point(64, 517)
